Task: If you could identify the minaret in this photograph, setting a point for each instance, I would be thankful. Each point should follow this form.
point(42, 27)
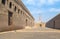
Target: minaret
point(39, 18)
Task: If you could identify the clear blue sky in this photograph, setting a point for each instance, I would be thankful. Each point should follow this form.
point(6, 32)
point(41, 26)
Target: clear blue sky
point(46, 8)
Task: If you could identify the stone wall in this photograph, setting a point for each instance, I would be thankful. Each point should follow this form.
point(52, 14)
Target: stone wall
point(17, 17)
point(54, 23)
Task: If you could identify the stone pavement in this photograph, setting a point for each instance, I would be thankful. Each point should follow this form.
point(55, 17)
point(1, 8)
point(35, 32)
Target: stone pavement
point(34, 30)
point(31, 34)
point(39, 30)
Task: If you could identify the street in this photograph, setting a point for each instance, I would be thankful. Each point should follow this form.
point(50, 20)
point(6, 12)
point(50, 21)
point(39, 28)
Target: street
point(30, 35)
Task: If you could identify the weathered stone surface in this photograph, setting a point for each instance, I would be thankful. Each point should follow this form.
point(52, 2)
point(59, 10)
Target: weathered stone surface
point(11, 19)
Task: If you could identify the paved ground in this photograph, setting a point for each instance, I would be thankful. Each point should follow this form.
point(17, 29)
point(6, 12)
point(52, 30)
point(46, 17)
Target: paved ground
point(31, 34)
point(39, 30)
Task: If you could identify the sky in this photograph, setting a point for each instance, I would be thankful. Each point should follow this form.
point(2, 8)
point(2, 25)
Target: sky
point(45, 9)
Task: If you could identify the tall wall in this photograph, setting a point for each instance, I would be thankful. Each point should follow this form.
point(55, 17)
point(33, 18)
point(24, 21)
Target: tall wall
point(18, 18)
point(54, 23)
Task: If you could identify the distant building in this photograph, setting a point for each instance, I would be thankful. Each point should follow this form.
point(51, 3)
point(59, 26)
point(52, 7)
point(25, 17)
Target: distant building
point(14, 15)
point(54, 22)
point(40, 24)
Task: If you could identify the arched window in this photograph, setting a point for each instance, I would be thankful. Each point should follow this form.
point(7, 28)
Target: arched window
point(18, 11)
point(10, 5)
point(40, 25)
point(26, 22)
point(21, 12)
point(15, 8)
point(3, 1)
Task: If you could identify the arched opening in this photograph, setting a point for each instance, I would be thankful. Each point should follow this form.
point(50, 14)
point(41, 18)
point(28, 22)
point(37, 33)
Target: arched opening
point(40, 25)
point(3, 1)
point(54, 24)
point(26, 22)
point(10, 14)
point(10, 5)
point(15, 8)
point(18, 11)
